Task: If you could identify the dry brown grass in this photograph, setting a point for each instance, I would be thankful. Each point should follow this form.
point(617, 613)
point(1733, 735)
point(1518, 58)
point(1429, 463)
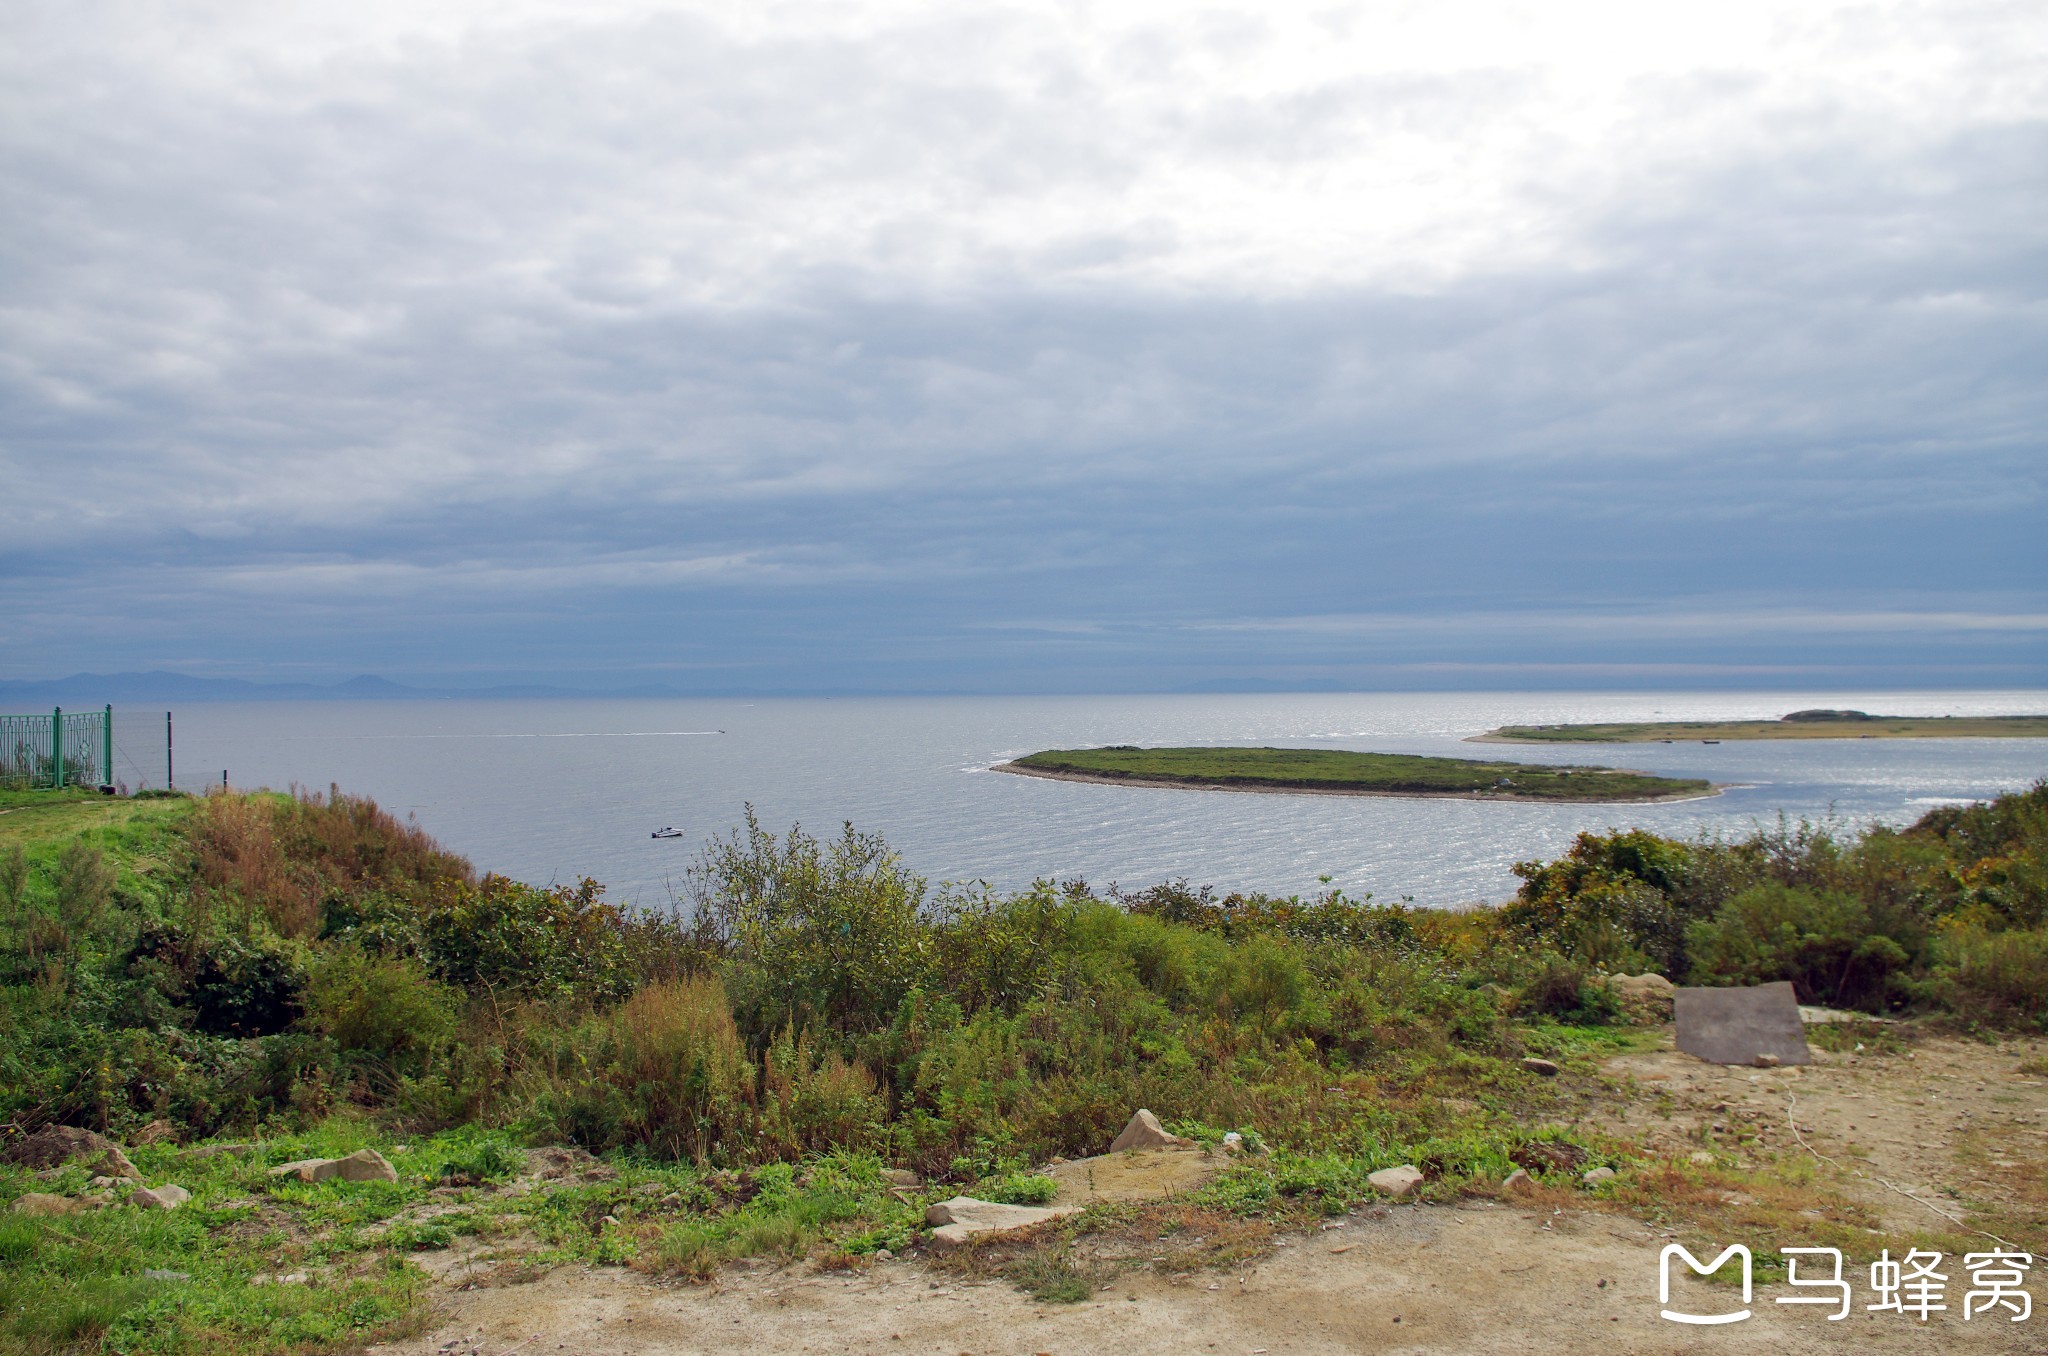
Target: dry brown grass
point(289, 855)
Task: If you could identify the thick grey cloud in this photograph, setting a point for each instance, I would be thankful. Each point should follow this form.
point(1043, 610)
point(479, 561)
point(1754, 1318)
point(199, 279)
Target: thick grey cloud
point(912, 346)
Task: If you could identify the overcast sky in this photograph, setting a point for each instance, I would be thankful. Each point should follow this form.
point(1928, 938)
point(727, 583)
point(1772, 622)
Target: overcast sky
point(1005, 347)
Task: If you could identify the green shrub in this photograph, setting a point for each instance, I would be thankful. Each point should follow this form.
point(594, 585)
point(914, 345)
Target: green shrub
point(502, 935)
point(820, 935)
point(1826, 943)
point(229, 981)
point(487, 1160)
point(1565, 990)
point(1998, 978)
point(382, 1007)
point(814, 1101)
point(665, 1072)
point(1017, 1188)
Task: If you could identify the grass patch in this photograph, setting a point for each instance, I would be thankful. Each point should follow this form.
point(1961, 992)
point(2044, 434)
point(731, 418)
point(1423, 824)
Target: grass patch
point(840, 1200)
point(1798, 725)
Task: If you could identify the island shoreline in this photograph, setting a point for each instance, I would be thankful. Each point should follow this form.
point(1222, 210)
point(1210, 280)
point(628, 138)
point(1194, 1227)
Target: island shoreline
point(1274, 789)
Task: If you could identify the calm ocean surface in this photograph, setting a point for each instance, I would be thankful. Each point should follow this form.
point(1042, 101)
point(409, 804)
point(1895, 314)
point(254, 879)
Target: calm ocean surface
point(555, 790)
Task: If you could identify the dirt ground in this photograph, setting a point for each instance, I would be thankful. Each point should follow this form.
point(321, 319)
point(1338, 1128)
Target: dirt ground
point(1949, 1122)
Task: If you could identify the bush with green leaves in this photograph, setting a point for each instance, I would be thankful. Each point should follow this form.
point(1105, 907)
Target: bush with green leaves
point(1995, 978)
point(1828, 944)
point(384, 1009)
point(818, 934)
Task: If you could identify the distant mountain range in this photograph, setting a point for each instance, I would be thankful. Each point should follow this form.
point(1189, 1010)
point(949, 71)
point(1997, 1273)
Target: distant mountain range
point(95, 689)
point(86, 690)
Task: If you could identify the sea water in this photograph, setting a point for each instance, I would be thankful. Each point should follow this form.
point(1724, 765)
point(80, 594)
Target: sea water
point(554, 790)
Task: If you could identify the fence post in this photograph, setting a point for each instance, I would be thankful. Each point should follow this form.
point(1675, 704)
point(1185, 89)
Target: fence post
point(56, 748)
point(107, 747)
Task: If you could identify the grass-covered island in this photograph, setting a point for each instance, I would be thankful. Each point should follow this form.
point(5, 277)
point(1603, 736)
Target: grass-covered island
point(1817, 724)
point(1345, 773)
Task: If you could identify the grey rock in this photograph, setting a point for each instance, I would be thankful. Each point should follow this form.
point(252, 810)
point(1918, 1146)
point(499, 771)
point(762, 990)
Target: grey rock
point(43, 1204)
point(1595, 1176)
point(1540, 1066)
point(1396, 1182)
point(1767, 1061)
point(901, 1177)
point(1144, 1131)
point(365, 1165)
point(956, 1220)
point(166, 1197)
point(1515, 1180)
point(159, 1274)
point(884, 1255)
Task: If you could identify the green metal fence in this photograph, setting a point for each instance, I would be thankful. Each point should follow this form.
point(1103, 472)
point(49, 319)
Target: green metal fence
point(57, 750)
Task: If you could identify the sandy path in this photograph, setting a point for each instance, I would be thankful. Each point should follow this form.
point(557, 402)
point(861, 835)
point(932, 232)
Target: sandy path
point(1477, 1279)
point(1950, 1120)
point(1946, 1122)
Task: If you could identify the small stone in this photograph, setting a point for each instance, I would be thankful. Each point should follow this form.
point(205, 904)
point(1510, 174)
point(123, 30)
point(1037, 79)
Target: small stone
point(884, 1255)
point(159, 1274)
point(902, 1177)
point(1144, 1131)
point(1543, 1067)
point(43, 1204)
point(1595, 1176)
point(1701, 1156)
point(1396, 1182)
point(167, 1197)
point(1515, 1180)
point(1766, 1061)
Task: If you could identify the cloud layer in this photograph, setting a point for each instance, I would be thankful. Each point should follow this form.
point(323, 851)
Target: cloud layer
point(1021, 346)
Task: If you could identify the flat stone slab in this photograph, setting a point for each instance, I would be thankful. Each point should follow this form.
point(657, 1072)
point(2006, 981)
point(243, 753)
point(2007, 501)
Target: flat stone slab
point(1735, 1026)
point(1133, 1176)
point(961, 1218)
point(364, 1165)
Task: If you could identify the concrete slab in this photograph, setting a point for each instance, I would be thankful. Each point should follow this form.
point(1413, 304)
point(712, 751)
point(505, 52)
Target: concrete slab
point(1736, 1026)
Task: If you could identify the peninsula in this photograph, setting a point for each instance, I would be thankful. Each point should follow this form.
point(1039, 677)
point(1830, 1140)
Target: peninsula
point(1818, 724)
point(1340, 772)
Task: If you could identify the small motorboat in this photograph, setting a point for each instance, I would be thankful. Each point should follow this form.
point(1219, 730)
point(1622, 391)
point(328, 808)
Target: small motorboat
point(669, 831)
